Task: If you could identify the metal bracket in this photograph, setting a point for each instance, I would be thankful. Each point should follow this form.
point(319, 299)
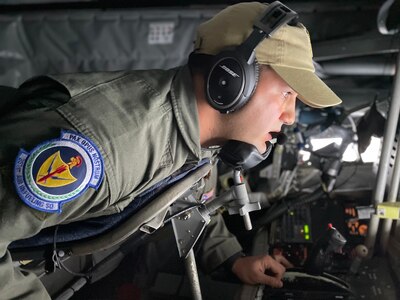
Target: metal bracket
point(188, 228)
point(189, 225)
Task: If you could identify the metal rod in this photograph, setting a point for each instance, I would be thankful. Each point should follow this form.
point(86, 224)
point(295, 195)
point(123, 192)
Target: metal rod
point(236, 177)
point(377, 66)
point(243, 199)
point(390, 132)
point(191, 270)
point(219, 201)
point(76, 286)
point(394, 189)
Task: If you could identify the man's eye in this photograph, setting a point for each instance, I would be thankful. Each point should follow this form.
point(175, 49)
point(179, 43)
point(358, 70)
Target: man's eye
point(286, 94)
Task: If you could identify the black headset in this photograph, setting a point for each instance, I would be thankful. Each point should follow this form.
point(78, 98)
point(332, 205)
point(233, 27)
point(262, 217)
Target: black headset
point(233, 73)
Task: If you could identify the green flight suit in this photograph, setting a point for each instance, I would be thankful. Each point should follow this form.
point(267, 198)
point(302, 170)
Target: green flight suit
point(145, 126)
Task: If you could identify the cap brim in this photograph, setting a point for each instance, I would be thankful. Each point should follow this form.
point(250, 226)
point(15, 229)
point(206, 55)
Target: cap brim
point(310, 88)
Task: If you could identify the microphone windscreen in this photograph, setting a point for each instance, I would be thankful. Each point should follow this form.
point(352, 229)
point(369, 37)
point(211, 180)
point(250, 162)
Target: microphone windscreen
point(281, 138)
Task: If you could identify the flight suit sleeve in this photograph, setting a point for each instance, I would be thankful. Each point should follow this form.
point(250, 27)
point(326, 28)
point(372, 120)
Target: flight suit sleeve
point(218, 244)
point(17, 221)
point(16, 284)
point(31, 122)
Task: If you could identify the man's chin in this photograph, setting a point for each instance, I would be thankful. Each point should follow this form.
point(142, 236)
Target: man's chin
point(262, 148)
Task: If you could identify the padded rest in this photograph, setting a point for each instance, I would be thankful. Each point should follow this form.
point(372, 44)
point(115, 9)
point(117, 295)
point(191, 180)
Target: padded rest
point(99, 225)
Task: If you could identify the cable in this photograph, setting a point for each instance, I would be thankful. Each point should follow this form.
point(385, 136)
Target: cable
point(58, 262)
point(344, 181)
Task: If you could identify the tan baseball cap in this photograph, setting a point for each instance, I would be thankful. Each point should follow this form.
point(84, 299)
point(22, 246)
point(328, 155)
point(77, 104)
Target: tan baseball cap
point(288, 51)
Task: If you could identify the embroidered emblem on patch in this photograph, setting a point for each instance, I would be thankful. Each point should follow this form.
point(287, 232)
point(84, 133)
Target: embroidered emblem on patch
point(58, 171)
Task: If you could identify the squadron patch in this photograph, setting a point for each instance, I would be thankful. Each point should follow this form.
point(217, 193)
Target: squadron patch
point(58, 171)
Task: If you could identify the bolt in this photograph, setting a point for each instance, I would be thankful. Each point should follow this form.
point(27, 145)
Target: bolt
point(187, 216)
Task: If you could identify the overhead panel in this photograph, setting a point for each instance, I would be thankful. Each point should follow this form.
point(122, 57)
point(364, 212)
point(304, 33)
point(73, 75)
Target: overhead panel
point(94, 40)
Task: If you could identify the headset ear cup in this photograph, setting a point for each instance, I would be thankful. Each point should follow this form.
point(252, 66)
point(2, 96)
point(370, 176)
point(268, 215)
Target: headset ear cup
point(231, 81)
point(253, 82)
point(225, 82)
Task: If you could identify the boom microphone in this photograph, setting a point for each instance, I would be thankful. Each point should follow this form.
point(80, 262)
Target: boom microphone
point(278, 137)
point(282, 138)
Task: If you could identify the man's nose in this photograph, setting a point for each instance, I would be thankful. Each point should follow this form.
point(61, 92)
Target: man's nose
point(289, 114)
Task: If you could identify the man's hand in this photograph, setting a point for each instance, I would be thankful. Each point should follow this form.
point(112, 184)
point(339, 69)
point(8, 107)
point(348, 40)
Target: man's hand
point(263, 269)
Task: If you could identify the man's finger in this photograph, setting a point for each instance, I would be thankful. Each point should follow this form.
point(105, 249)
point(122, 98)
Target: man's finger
point(281, 259)
point(273, 266)
point(272, 281)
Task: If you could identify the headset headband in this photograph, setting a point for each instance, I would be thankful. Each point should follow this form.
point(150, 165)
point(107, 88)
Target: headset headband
point(275, 16)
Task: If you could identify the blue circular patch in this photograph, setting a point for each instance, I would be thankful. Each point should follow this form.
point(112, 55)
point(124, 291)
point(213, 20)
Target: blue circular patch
point(65, 185)
point(58, 171)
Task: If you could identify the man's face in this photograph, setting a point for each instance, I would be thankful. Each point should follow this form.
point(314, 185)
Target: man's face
point(272, 105)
